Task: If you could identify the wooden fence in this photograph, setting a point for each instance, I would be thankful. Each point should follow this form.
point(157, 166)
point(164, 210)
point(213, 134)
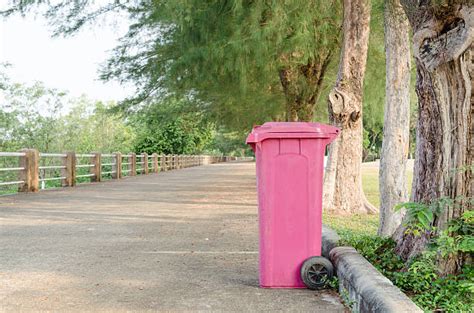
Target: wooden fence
point(35, 169)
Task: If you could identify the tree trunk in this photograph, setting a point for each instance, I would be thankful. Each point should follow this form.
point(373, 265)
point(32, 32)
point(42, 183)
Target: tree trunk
point(393, 157)
point(302, 86)
point(442, 44)
point(342, 182)
point(287, 78)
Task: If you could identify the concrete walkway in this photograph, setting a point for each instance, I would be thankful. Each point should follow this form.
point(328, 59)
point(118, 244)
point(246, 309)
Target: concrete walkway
point(183, 240)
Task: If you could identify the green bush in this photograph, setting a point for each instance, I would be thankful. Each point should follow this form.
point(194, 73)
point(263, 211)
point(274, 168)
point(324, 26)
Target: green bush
point(171, 127)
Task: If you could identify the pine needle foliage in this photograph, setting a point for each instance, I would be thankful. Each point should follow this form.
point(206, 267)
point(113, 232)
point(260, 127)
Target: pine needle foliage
point(242, 58)
point(245, 61)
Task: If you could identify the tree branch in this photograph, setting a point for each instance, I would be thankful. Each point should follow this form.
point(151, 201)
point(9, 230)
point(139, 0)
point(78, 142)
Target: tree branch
point(446, 46)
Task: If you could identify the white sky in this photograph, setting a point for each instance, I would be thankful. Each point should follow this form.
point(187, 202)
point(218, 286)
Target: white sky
point(70, 64)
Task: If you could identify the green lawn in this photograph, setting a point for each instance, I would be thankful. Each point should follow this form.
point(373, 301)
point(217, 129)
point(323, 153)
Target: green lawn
point(370, 183)
point(362, 224)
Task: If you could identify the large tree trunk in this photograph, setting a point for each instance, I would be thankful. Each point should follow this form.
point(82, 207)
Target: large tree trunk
point(342, 182)
point(392, 182)
point(442, 44)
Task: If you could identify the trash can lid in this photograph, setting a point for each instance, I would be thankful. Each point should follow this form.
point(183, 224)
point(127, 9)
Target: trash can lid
point(291, 130)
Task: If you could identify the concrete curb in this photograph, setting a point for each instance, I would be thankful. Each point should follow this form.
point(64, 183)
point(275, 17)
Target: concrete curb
point(330, 240)
point(361, 285)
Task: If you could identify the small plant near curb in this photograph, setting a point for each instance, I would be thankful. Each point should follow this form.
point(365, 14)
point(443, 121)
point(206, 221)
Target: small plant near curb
point(347, 300)
point(333, 283)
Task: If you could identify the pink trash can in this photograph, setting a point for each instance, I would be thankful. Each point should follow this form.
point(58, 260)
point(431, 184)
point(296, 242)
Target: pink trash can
point(290, 162)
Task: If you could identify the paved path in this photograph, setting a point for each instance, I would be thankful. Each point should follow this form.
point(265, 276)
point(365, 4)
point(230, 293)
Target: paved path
point(174, 241)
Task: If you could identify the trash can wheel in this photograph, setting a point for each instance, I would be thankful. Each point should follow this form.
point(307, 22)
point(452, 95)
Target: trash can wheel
point(316, 272)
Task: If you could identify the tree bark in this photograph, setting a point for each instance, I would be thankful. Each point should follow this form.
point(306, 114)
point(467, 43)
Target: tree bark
point(342, 182)
point(302, 86)
point(287, 78)
point(393, 157)
point(443, 50)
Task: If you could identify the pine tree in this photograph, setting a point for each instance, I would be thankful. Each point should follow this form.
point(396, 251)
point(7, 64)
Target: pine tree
point(243, 61)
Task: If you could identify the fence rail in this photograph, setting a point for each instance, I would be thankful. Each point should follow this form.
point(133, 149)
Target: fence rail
point(71, 168)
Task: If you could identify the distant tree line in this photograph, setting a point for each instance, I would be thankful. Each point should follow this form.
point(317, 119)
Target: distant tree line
point(35, 116)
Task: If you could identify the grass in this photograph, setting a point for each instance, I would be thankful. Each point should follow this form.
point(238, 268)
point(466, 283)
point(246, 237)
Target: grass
point(362, 224)
point(370, 183)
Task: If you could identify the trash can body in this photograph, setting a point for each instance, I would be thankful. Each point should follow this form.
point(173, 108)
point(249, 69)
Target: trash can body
point(289, 162)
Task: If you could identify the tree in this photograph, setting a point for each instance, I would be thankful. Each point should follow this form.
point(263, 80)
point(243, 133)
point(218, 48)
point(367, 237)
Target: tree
point(248, 61)
point(342, 181)
point(48, 120)
point(392, 182)
point(374, 85)
point(93, 126)
point(28, 116)
point(244, 58)
point(443, 32)
point(172, 127)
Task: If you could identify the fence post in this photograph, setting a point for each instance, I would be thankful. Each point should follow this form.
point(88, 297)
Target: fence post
point(118, 166)
point(164, 160)
point(70, 171)
point(96, 160)
point(30, 174)
point(132, 159)
point(175, 161)
point(145, 163)
point(154, 157)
